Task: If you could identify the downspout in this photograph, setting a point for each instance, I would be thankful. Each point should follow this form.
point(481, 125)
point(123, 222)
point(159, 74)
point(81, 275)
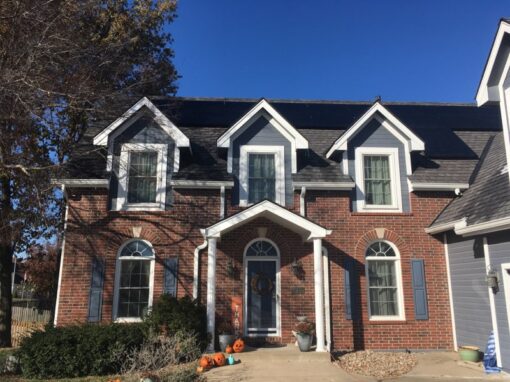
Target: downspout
point(327, 308)
point(57, 301)
point(302, 203)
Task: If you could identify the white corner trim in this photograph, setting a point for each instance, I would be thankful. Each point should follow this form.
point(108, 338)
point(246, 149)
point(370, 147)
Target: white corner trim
point(117, 280)
point(396, 193)
point(492, 303)
point(415, 143)
point(454, 225)
point(265, 208)
point(184, 183)
point(483, 228)
point(484, 92)
point(450, 293)
point(282, 125)
point(83, 183)
point(279, 161)
point(302, 201)
point(62, 252)
point(327, 297)
point(429, 186)
point(121, 201)
point(162, 120)
point(341, 186)
point(505, 268)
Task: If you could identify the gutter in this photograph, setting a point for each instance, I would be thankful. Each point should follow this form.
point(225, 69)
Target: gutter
point(201, 183)
point(460, 227)
point(342, 186)
point(82, 183)
point(439, 186)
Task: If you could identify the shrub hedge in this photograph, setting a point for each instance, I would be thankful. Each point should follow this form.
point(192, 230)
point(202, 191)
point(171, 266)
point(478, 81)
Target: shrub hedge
point(176, 315)
point(80, 350)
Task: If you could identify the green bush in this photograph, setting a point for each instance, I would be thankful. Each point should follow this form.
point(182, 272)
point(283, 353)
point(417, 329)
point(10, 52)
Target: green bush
point(80, 350)
point(177, 315)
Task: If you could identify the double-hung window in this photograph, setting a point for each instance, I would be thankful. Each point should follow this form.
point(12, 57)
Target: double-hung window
point(377, 179)
point(384, 278)
point(134, 281)
point(261, 174)
point(142, 176)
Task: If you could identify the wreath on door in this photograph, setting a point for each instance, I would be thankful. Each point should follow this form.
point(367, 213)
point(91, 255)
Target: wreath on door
point(261, 284)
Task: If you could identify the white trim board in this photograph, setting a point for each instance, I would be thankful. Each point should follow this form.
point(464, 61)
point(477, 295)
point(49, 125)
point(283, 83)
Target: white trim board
point(341, 186)
point(83, 183)
point(122, 194)
point(397, 128)
point(184, 183)
point(162, 120)
point(450, 293)
point(396, 193)
point(279, 163)
point(505, 276)
point(270, 210)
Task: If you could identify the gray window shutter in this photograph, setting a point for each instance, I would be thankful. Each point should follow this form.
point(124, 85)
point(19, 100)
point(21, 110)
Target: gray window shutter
point(171, 269)
point(421, 311)
point(96, 290)
point(350, 289)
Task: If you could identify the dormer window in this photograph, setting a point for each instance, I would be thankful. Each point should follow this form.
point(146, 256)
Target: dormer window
point(261, 174)
point(142, 176)
point(378, 180)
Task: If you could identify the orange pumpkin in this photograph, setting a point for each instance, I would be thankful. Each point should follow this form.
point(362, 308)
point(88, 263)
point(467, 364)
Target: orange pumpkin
point(229, 350)
point(238, 345)
point(219, 359)
point(206, 362)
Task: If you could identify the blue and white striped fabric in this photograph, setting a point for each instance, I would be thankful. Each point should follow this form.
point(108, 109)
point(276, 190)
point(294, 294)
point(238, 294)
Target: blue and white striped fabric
point(490, 363)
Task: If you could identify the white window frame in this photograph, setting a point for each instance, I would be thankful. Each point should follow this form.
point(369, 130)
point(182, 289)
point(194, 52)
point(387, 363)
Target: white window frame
point(396, 193)
point(128, 148)
point(279, 163)
point(400, 291)
point(117, 280)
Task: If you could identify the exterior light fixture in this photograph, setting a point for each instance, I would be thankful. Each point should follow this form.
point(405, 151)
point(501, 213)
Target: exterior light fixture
point(492, 278)
point(296, 267)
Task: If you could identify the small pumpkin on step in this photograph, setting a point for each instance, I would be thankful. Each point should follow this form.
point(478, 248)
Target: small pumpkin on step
point(238, 345)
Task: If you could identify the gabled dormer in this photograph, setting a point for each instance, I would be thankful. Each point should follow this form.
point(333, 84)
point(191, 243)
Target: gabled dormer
point(143, 154)
point(376, 153)
point(262, 155)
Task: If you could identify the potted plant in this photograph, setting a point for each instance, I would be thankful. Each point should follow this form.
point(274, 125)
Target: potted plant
point(226, 335)
point(304, 331)
point(469, 353)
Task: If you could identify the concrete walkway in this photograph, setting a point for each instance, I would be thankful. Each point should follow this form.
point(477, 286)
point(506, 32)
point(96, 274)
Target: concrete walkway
point(289, 364)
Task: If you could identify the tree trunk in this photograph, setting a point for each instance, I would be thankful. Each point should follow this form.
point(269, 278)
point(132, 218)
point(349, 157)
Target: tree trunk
point(6, 253)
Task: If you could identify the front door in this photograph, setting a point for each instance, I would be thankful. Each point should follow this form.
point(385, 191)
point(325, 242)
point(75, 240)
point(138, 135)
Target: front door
point(262, 297)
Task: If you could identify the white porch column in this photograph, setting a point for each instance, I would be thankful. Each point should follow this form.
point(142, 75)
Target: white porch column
point(319, 294)
point(211, 289)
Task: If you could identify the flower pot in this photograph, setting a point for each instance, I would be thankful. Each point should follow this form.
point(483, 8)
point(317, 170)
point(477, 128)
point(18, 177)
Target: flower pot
point(225, 340)
point(469, 353)
point(304, 341)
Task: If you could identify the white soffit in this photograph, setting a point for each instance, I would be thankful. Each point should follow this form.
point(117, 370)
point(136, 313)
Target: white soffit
point(281, 125)
point(396, 127)
point(487, 92)
point(162, 120)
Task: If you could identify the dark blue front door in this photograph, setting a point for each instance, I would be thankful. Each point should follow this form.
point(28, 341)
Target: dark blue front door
point(262, 298)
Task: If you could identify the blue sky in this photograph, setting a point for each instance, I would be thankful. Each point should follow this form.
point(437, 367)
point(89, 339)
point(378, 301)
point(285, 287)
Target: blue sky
point(406, 50)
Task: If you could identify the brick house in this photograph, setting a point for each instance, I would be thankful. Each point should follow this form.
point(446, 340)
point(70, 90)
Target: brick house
point(266, 210)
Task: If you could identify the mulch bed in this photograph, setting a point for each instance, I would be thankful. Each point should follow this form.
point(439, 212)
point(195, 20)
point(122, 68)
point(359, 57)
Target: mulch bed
point(378, 364)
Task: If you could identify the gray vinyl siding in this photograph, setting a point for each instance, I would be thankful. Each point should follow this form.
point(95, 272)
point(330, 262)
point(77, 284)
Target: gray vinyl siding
point(375, 135)
point(499, 253)
point(145, 130)
point(469, 291)
point(262, 133)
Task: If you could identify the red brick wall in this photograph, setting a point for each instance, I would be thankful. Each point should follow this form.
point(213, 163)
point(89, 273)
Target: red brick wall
point(92, 230)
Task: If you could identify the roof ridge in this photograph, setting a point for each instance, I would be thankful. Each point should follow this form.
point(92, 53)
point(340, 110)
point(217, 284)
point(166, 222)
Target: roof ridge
point(313, 101)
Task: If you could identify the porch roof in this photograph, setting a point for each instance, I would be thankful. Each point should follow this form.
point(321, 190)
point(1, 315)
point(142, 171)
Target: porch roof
point(274, 212)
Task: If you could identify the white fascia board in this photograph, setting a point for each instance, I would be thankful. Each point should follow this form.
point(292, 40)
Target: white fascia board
point(283, 126)
point(483, 228)
point(438, 186)
point(162, 120)
point(446, 226)
point(341, 186)
point(315, 230)
point(83, 183)
point(485, 93)
point(201, 183)
point(416, 144)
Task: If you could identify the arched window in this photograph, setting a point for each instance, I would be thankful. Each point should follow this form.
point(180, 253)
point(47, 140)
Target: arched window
point(261, 248)
point(133, 280)
point(384, 276)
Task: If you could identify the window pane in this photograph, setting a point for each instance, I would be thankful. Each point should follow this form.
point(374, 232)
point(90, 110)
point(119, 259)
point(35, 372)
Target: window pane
point(381, 274)
point(142, 177)
point(377, 179)
point(134, 287)
point(261, 177)
point(383, 302)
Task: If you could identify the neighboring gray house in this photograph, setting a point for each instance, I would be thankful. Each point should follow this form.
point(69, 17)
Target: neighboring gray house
point(476, 225)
